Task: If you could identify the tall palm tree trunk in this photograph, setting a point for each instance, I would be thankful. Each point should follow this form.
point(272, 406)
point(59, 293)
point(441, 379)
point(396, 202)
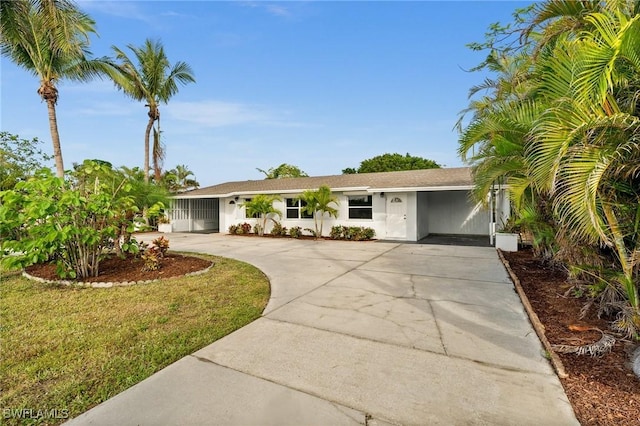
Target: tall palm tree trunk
point(55, 137)
point(146, 147)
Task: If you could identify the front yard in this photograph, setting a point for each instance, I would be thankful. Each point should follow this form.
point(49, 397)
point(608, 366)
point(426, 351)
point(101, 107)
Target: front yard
point(66, 349)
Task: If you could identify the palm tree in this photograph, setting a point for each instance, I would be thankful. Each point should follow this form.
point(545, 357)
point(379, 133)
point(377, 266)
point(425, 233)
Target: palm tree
point(262, 205)
point(578, 148)
point(587, 150)
point(495, 139)
point(179, 180)
point(50, 39)
point(319, 201)
point(153, 80)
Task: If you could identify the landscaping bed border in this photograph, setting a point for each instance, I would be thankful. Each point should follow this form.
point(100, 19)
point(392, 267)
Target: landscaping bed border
point(556, 362)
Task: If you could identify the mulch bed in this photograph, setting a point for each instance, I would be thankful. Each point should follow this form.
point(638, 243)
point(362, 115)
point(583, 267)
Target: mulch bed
point(603, 390)
point(115, 269)
point(301, 237)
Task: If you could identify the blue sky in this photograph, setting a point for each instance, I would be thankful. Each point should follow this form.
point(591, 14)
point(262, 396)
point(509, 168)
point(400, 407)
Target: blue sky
point(321, 85)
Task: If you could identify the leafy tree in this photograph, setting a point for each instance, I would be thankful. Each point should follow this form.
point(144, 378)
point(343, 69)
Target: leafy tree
point(150, 198)
point(283, 171)
point(49, 39)
point(179, 179)
point(71, 223)
point(262, 206)
point(392, 163)
point(154, 81)
point(318, 203)
point(19, 159)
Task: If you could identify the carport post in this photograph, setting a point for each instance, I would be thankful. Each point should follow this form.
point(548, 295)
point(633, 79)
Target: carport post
point(492, 224)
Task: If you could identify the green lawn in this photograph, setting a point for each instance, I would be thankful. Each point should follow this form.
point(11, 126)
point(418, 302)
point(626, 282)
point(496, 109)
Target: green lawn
point(68, 349)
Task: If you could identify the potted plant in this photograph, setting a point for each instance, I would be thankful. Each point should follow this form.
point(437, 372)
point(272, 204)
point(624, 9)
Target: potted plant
point(507, 238)
point(164, 224)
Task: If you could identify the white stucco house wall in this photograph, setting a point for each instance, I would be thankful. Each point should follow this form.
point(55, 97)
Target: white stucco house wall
point(406, 205)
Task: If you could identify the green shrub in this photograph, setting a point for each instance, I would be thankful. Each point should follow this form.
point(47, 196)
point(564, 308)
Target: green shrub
point(337, 232)
point(72, 222)
point(368, 233)
point(278, 230)
point(295, 232)
point(354, 233)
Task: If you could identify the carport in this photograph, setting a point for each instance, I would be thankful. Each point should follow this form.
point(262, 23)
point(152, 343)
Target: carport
point(195, 214)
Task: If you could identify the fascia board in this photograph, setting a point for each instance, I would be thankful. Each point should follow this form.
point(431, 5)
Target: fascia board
point(424, 188)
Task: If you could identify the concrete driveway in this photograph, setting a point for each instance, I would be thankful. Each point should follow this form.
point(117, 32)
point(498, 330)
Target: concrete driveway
point(358, 333)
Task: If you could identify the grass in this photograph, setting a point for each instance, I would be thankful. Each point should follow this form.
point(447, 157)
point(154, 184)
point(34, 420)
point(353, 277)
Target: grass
point(66, 349)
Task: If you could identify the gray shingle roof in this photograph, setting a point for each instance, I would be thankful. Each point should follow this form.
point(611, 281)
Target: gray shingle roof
point(453, 178)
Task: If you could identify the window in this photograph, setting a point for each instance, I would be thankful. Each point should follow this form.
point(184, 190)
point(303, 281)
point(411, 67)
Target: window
point(360, 207)
point(294, 209)
point(255, 216)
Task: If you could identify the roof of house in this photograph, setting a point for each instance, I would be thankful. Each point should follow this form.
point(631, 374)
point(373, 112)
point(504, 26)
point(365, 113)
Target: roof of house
point(410, 180)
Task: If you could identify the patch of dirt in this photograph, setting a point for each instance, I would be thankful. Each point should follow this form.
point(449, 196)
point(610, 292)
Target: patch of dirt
point(603, 390)
point(129, 269)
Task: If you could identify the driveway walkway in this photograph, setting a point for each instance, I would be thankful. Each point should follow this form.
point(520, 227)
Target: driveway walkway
point(358, 333)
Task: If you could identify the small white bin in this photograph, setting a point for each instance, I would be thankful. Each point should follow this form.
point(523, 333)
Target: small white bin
point(167, 228)
point(506, 241)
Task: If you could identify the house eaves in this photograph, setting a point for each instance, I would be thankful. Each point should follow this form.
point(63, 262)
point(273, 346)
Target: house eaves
point(268, 192)
point(401, 181)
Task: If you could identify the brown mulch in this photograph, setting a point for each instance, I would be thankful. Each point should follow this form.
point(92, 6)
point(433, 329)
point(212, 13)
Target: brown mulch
point(603, 390)
point(301, 237)
point(115, 269)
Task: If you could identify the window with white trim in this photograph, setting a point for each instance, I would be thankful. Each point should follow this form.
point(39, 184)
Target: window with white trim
point(360, 207)
point(295, 209)
point(255, 216)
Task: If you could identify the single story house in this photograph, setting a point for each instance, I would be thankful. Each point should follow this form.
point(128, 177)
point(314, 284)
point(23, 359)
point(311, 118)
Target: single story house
point(405, 205)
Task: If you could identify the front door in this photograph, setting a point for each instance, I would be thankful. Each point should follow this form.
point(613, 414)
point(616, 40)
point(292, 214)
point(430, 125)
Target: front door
point(397, 216)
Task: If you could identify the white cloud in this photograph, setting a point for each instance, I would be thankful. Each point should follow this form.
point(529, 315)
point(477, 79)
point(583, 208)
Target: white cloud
point(172, 14)
point(95, 86)
point(278, 10)
point(213, 113)
point(272, 9)
point(111, 109)
point(120, 9)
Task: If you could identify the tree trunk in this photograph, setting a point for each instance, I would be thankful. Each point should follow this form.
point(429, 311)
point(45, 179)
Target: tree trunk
point(55, 137)
point(146, 146)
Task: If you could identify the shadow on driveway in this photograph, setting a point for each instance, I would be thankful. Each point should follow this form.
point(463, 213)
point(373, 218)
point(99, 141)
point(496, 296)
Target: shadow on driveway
point(457, 240)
